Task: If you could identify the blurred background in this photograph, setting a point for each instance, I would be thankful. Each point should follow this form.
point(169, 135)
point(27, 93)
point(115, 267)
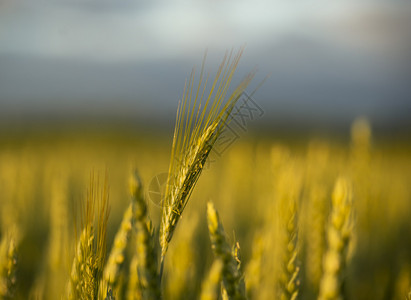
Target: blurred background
point(125, 62)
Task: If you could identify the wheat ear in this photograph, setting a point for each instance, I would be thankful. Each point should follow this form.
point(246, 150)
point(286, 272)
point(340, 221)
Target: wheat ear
point(90, 251)
point(315, 235)
point(254, 268)
point(8, 263)
point(196, 131)
point(232, 278)
point(117, 255)
point(133, 288)
point(339, 232)
point(211, 288)
point(146, 256)
point(289, 283)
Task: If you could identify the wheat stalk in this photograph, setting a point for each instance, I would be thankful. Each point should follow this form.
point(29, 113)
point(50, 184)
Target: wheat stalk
point(339, 232)
point(196, 131)
point(146, 256)
point(232, 278)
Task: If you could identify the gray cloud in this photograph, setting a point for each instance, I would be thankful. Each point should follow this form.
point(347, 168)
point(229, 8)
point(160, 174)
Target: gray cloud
point(328, 61)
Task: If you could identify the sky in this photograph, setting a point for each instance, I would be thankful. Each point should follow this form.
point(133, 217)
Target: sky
point(329, 61)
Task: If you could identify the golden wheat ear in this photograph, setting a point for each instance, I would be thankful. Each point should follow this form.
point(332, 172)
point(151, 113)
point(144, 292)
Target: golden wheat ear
point(210, 289)
point(8, 264)
point(339, 234)
point(147, 275)
point(232, 278)
point(197, 128)
point(90, 251)
point(113, 268)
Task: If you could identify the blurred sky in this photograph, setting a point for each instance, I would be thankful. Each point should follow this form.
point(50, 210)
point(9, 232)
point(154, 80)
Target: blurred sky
point(329, 61)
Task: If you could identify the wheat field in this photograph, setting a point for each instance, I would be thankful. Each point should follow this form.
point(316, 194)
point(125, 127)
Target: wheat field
point(275, 199)
point(110, 214)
